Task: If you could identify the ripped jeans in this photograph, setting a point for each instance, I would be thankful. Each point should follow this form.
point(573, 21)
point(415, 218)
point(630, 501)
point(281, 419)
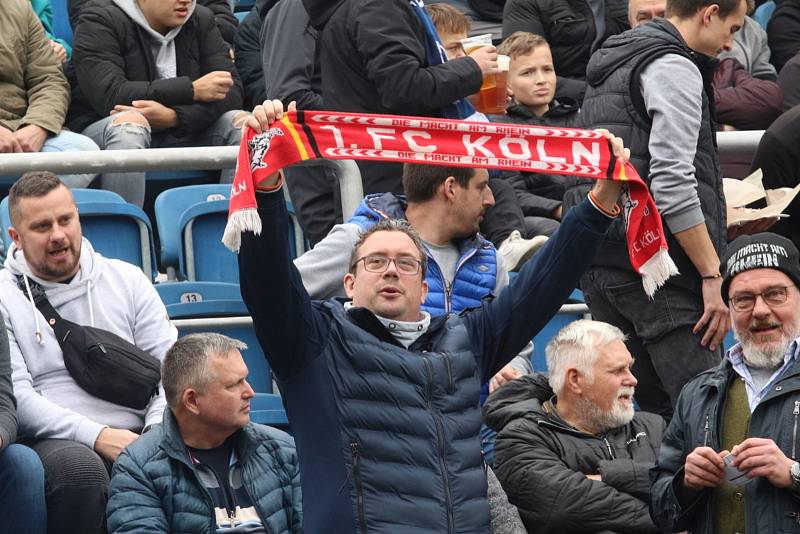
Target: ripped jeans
point(127, 135)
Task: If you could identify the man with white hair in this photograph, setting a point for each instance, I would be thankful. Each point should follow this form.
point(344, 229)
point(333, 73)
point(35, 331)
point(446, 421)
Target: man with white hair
point(573, 455)
point(729, 457)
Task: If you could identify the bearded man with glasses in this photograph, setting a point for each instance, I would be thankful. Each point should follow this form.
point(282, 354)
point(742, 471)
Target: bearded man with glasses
point(728, 462)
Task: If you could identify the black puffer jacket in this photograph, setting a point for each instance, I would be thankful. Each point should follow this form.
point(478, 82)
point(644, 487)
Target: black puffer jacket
point(568, 25)
point(783, 32)
point(113, 63)
point(542, 463)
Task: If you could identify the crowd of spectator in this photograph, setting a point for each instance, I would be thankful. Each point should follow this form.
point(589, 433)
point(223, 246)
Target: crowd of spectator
point(399, 342)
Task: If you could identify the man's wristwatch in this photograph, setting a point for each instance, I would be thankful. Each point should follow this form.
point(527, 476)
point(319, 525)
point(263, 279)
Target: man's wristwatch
point(794, 472)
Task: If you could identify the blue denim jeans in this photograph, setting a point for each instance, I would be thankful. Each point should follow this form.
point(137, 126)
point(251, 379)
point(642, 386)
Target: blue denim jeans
point(124, 136)
point(71, 142)
point(22, 505)
point(659, 333)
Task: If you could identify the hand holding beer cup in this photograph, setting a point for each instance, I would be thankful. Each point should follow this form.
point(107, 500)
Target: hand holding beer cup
point(486, 58)
point(492, 97)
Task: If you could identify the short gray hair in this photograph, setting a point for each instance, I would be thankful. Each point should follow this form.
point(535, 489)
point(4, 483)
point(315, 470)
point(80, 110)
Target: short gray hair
point(575, 345)
point(186, 363)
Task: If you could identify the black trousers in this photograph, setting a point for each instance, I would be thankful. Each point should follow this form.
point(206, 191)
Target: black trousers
point(76, 486)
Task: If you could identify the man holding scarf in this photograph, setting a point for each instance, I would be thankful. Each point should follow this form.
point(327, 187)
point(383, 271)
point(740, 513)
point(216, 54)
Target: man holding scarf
point(383, 398)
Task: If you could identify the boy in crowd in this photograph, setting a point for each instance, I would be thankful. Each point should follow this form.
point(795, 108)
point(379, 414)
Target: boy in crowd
point(532, 84)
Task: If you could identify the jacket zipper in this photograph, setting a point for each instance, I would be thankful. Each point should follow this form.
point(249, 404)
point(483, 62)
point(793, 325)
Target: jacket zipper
point(608, 447)
point(439, 444)
point(705, 437)
point(451, 386)
point(355, 450)
point(795, 412)
point(448, 288)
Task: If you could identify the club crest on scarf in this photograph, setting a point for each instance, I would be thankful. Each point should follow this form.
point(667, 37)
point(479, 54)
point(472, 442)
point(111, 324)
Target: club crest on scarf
point(259, 146)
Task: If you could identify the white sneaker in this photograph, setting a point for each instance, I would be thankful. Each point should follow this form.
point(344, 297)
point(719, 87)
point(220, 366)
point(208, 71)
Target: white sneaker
point(515, 250)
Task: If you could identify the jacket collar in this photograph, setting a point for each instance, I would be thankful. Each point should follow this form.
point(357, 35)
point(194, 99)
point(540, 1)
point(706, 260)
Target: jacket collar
point(366, 320)
point(172, 443)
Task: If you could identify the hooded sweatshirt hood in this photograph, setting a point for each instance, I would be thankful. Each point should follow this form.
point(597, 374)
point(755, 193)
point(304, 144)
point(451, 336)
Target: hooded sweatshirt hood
point(618, 49)
point(516, 399)
point(163, 46)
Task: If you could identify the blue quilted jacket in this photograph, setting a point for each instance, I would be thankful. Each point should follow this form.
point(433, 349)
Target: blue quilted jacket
point(476, 273)
point(387, 436)
point(155, 488)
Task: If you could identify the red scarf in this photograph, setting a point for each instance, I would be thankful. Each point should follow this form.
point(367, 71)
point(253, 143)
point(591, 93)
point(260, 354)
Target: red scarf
point(304, 135)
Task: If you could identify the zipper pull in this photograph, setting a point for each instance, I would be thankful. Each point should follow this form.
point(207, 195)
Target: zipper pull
point(796, 410)
point(705, 438)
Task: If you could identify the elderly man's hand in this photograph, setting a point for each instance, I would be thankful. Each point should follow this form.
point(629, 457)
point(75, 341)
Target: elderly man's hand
point(31, 138)
point(704, 468)
point(761, 457)
point(8, 143)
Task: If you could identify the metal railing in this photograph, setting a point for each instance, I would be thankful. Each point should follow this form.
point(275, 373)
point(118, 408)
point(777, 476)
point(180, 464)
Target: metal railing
point(213, 158)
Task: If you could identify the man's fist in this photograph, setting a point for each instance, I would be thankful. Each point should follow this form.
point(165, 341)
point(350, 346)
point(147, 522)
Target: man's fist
point(213, 86)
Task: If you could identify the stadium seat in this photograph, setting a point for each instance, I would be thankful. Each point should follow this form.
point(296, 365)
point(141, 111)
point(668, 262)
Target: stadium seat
point(267, 409)
point(191, 221)
point(115, 228)
point(763, 13)
point(193, 300)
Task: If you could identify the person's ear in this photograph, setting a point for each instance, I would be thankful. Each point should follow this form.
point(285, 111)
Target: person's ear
point(573, 381)
point(12, 232)
point(449, 188)
point(189, 401)
point(424, 294)
point(349, 281)
point(709, 12)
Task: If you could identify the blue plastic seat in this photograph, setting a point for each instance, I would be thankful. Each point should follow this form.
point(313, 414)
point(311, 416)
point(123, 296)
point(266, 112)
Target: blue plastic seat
point(115, 228)
point(191, 221)
point(192, 300)
point(763, 13)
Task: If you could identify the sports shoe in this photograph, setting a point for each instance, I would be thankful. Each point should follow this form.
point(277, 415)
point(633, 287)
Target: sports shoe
point(515, 250)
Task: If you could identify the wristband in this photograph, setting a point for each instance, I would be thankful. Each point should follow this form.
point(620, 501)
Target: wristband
point(711, 277)
point(613, 213)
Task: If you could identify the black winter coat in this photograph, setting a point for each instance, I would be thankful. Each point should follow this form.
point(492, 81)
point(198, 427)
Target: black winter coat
point(112, 63)
point(783, 32)
point(568, 25)
point(373, 60)
point(542, 463)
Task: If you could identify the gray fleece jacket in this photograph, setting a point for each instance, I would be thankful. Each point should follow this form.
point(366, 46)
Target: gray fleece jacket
point(163, 46)
point(105, 293)
point(8, 405)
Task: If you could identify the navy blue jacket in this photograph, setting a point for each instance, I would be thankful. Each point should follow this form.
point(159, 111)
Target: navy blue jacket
point(388, 437)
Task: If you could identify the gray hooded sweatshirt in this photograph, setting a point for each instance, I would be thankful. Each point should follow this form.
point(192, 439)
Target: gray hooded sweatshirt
point(105, 293)
point(163, 46)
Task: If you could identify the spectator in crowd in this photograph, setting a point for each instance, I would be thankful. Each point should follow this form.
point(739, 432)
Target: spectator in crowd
point(728, 460)
point(289, 61)
point(532, 82)
point(226, 22)
point(778, 158)
point(652, 87)
point(44, 12)
point(396, 388)
point(77, 435)
point(573, 455)
point(789, 80)
point(34, 94)
point(574, 29)
point(384, 56)
point(207, 463)
point(153, 73)
point(502, 222)
point(746, 94)
point(783, 32)
point(22, 507)
point(445, 206)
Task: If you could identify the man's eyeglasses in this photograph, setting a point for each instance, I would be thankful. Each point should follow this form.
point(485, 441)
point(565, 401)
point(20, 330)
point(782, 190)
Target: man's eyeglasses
point(379, 264)
point(774, 296)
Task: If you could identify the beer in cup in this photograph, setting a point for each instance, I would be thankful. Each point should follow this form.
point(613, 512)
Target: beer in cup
point(492, 97)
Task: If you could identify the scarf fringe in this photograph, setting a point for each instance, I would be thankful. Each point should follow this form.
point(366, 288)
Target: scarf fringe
point(243, 220)
point(656, 271)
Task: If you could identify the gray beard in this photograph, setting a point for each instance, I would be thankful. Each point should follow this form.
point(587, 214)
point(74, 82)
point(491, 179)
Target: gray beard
point(770, 357)
point(603, 421)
